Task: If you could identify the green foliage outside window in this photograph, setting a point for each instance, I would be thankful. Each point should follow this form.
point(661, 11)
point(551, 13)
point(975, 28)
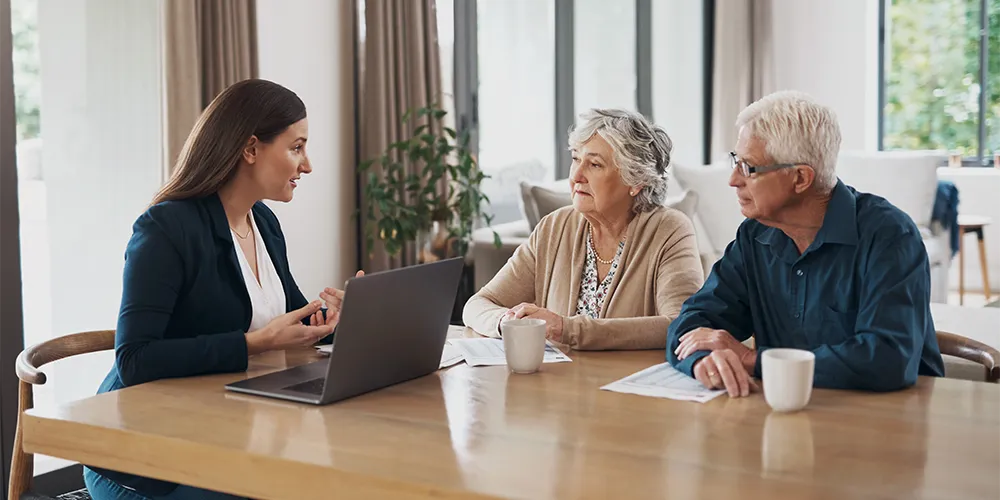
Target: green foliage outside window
point(932, 76)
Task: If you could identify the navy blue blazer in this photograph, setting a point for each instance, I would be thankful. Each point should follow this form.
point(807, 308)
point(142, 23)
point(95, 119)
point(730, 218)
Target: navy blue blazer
point(185, 308)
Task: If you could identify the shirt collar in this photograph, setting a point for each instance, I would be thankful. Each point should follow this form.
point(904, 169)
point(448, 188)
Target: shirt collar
point(840, 225)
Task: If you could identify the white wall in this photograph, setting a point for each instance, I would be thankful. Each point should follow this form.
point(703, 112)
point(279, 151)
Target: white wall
point(101, 162)
point(829, 49)
point(308, 48)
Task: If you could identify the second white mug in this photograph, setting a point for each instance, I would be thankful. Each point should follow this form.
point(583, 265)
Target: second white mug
point(788, 378)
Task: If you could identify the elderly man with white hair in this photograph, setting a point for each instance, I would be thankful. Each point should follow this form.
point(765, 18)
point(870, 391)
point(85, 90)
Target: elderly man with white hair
point(816, 266)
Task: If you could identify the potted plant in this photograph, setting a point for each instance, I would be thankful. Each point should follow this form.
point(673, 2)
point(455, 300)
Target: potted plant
point(403, 197)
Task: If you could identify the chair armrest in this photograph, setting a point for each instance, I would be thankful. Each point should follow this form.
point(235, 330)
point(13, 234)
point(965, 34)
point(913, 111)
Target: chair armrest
point(972, 350)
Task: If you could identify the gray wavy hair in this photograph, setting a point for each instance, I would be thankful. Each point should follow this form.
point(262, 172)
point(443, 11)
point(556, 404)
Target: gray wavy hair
point(641, 151)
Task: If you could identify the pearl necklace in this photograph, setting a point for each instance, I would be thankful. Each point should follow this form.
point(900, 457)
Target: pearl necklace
point(594, 248)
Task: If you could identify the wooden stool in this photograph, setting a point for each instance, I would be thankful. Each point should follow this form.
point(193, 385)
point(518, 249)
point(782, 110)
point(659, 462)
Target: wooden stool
point(972, 224)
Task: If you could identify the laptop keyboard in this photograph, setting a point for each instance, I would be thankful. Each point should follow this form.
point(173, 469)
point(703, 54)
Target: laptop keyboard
point(314, 386)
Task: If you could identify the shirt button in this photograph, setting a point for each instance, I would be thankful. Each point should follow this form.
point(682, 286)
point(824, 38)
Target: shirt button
point(799, 273)
point(796, 315)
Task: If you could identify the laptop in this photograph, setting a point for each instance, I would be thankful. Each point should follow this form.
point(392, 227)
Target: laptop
point(393, 327)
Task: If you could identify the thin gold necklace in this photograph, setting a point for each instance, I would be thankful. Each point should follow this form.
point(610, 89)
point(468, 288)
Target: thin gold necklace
point(245, 236)
point(593, 247)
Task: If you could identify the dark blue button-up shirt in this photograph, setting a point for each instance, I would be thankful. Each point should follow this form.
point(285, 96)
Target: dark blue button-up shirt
point(858, 297)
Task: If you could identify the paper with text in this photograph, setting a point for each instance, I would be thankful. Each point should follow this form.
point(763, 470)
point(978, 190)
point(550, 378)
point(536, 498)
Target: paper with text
point(489, 352)
point(663, 381)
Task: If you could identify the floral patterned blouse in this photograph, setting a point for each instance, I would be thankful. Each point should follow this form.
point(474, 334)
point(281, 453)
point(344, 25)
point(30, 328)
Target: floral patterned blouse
point(592, 294)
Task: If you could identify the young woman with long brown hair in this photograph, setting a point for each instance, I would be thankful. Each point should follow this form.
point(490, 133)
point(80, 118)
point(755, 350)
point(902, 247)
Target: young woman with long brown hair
point(206, 280)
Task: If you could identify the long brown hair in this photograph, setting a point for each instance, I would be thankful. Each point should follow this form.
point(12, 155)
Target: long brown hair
point(212, 151)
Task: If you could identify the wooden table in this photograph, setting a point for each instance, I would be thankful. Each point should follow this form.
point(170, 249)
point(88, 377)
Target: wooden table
point(482, 432)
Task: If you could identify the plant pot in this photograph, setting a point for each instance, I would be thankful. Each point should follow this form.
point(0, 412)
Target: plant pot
point(466, 289)
point(435, 243)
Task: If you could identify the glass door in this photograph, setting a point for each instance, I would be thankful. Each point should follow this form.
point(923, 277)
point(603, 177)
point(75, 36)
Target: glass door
point(88, 140)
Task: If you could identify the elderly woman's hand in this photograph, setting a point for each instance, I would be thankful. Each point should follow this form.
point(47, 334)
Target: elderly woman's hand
point(553, 321)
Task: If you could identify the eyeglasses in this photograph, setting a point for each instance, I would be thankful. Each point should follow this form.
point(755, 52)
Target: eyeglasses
point(747, 169)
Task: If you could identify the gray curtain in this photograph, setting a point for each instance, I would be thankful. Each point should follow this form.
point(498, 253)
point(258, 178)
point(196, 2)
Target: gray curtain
point(743, 67)
point(400, 70)
point(210, 44)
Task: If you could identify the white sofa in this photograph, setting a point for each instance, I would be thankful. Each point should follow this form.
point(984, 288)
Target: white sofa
point(907, 179)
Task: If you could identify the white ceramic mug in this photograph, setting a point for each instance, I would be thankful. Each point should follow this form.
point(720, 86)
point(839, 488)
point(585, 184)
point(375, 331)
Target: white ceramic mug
point(788, 378)
point(524, 344)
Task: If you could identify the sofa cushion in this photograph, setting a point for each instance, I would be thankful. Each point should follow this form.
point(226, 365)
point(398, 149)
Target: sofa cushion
point(549, 200)
point(527, 205)
point(549, 191)
point(908, 179)
point(686, 202)
point(718, 209)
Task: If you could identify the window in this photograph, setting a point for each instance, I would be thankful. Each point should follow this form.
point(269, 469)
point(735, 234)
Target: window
point(933, 85)
point(678, 76)
point(524, 70)
point(604, 54)
point(516, 98)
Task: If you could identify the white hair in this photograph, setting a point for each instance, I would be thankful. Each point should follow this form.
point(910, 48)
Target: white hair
point(641, 151)
point(796, 129)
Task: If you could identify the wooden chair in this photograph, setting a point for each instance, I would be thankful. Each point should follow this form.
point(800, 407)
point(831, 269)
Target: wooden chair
point(971, 350)
point(27, 367)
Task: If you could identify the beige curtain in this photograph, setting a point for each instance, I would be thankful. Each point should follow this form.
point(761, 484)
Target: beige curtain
point(400, 70)
point(743, 66)
point(210, 44)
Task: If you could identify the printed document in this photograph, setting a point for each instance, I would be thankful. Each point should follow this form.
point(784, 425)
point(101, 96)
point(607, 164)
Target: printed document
point(663, 381)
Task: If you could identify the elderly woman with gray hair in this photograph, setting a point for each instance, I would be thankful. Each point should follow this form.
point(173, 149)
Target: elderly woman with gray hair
point(612, 270)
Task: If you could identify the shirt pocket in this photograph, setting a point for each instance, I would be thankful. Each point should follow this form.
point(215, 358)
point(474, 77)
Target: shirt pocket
point(836, 326)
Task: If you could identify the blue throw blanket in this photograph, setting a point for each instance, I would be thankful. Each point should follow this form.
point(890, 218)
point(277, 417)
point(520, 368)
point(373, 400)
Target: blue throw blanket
point(946, 211)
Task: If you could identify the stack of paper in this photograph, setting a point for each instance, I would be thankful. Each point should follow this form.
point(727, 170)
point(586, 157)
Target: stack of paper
point(489, 352)
point(449, 356)
point(663, 381)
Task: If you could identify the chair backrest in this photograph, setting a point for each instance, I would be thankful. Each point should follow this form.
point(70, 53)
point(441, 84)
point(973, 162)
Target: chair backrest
point(27, 367)
point(971, 350)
